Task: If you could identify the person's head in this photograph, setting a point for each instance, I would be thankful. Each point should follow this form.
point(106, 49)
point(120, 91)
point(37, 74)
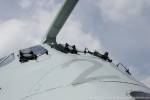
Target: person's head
point(106, 53)
point(74, 46)
point(67, 44)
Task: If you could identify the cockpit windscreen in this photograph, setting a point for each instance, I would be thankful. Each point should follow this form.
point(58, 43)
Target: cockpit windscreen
point(6, 60)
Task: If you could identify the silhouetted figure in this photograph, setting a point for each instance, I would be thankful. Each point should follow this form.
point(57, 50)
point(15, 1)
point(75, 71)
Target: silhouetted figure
point(106, 57)
point(67, 47)
point(74, 50)
point(85, 50)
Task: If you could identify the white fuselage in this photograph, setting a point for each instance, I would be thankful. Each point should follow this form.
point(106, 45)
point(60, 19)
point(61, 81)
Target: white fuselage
point(60, 76)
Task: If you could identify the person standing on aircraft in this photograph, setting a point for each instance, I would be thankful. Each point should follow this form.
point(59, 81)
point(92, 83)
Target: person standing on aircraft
point(106, 57)
point(74, 50)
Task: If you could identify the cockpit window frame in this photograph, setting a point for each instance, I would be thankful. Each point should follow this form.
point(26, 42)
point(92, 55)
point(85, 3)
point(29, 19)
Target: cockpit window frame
point(35, 49)
point(32, 53)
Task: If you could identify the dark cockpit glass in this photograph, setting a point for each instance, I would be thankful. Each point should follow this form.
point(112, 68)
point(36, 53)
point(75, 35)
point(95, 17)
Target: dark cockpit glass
point(140, 95)
point(25, 55)
point(6, 60)
point(31, 53)
point(37, 50)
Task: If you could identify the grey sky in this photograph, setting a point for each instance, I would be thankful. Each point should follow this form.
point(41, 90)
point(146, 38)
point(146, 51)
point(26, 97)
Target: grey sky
point(118, 26)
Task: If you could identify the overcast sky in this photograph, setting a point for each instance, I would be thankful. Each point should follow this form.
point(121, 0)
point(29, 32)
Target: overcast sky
point(120, 27)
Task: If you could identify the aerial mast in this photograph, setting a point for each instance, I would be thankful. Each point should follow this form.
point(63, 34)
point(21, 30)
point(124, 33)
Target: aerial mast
point(60, 21)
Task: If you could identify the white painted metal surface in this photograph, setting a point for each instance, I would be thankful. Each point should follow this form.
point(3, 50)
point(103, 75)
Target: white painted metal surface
point(60, 76)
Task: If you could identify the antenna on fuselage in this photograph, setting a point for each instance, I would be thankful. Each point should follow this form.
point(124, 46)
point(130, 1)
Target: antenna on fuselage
point(60, 21)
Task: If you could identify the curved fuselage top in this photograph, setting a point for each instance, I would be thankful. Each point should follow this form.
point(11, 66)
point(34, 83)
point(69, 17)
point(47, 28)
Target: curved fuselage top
point(60, 76)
